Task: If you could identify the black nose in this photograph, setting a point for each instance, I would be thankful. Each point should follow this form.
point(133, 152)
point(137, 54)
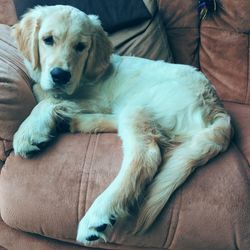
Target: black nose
point(60, 76)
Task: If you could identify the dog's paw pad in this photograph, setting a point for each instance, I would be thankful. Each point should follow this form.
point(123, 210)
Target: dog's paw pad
point(28, 151)
point(40, 144)
point(30, 154)
point(27, 144)
point(92, 238)
point(101, 228)
point(90, 232)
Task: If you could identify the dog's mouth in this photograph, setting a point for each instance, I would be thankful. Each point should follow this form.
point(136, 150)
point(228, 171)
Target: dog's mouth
point(62, 90)
point(60, 86)
point(59, 93)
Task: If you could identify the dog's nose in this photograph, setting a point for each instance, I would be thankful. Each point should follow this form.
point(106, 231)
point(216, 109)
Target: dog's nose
point(60, 76)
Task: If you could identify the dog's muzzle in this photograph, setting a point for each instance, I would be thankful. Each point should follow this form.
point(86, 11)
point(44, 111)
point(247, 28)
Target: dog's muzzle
point(60, 76)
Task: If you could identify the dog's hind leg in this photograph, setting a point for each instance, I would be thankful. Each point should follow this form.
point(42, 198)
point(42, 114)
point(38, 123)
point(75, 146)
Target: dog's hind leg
point(142, 157)
point(182, 160)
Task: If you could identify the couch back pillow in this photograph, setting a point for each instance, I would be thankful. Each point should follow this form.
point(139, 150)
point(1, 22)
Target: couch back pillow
point(135, 26)
point(114, 14)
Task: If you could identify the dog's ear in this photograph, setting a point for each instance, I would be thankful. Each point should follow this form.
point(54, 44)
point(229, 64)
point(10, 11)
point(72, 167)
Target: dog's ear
point(26, 35)
point(99, 52)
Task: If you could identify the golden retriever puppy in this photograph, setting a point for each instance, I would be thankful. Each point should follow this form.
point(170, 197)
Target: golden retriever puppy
point(168, 116)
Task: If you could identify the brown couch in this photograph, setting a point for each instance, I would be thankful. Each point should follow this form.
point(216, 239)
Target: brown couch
point(43, 198)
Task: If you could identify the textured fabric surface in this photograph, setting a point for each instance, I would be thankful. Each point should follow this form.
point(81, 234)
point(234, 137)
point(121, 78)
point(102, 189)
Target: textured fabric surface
point(12, 239)
point(7, 12)
point(16, 98)
point(182, 27)
point(224, 51)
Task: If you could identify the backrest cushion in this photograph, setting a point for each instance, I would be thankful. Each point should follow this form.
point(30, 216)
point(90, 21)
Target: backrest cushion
point(134, 26)
point(181, 22)
point(147, 39)
point(113, 14)
point(224, 51)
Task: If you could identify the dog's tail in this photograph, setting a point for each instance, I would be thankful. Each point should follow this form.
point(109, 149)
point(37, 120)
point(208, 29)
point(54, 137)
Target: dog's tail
point(183, 159)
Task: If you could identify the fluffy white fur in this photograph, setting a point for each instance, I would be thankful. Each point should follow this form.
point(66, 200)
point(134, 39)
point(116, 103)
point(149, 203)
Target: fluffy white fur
point(168, 116)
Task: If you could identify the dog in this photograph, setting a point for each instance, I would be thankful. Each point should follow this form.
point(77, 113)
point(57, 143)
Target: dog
point(168, 115)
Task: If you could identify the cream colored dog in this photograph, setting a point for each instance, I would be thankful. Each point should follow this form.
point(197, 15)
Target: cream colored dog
point(168, 116)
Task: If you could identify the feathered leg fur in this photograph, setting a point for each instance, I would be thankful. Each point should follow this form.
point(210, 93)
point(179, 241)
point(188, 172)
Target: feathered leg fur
point(182, 160)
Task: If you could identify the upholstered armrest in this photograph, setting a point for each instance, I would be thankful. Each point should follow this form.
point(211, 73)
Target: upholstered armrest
point(16, 98)
point(7, 12)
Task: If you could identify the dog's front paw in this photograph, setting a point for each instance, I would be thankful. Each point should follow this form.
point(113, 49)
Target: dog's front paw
point(95, 224)
point(27, 140)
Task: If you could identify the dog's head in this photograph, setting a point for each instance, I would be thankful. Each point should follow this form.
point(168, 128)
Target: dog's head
point(62, 45)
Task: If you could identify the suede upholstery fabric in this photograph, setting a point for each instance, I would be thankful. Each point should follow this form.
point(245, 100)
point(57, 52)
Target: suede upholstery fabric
point(12, 239)
point(48, 194)
point(224, 54)
point(182, 26)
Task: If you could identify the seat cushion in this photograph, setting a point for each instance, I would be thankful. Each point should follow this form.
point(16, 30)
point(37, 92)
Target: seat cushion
point(50, 193)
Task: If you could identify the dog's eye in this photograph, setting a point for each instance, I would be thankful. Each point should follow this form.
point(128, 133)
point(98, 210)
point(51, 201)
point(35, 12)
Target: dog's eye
point(80, 47)
point(49, 40)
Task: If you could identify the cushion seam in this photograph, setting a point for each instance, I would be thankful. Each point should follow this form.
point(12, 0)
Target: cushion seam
point(225, 30)
point(176, 223)
point(164, 38)
point(19, 70)
point(246, 97)
point(80, 186)
point(182, 28)
point(241, 153)
point(90, 167)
